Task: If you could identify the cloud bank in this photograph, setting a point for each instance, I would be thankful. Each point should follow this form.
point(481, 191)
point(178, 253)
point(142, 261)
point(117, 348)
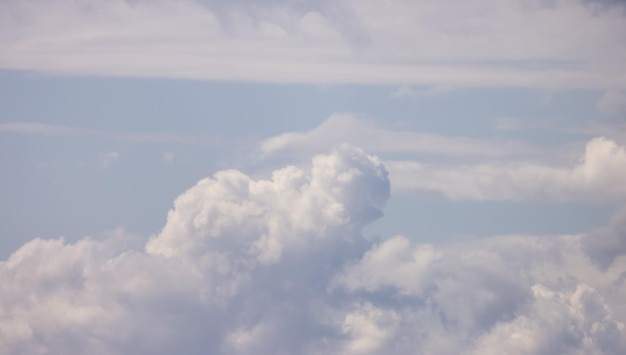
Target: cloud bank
point(545, 44)
point(279, 266)
point(597, 176)
point(347, 128)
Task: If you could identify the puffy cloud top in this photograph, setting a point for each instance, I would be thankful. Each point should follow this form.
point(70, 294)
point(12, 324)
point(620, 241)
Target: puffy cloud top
point(279, 266)
point(292, 210)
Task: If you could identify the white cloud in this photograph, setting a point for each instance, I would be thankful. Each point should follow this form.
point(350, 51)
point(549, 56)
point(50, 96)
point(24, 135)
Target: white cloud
point(37, 128)
point(510, 295)
point(598, 176)
point(107, 159)
point(407, 91)
point(544, 330)
point(613, 103)
point(286, 211)
point(557, 44)
point(346, 128)
point(169, 157)
point(279, 266)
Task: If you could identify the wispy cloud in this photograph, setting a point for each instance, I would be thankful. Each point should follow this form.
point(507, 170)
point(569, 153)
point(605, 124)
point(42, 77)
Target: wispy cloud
point(613, 103)
point(169, 157)
point(137, 137)
point(108, 159)
point(598, 176)
point(42, 128)
point(406, 91)
point(346, 128)
point(558, 44)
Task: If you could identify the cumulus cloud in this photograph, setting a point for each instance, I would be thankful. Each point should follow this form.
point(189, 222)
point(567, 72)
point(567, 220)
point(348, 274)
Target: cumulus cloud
point(267, 217)
point(505, 295)
point(407, 91)
point(598, 176)
point(342, 128)
point(605, 245)
point(279, 266)
point(555, 44)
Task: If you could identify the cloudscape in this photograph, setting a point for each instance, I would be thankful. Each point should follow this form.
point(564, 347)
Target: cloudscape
point(312, 177)
point(280, 266)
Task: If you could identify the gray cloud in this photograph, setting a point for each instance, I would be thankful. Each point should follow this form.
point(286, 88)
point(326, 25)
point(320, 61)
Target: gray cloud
point(605, 245)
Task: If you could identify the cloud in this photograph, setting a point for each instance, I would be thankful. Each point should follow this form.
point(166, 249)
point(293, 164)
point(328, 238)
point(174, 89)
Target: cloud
point(37, 128)
point(503, 295)
point(344, 189)
point(169, 157)
point(107, 159)
point(40, 128)
point(279, 266)
point(346, 128)
point(557, 44)
point(407, 91)
point(613, 130)
point(612, 103)
point(597, 177)
point(606, 244)
point(507, 124)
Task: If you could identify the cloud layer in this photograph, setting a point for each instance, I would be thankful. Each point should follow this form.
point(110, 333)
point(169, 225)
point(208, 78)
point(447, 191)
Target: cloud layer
point(279, 266)
point(597, 176)
point(555, 44)
point(347, 128)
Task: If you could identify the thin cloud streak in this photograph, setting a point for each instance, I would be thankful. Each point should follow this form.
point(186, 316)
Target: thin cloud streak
point(347, 128)
point(36, 128)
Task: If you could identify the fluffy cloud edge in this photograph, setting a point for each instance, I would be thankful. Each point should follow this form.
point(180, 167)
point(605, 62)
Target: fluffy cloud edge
point(597, 176)
point(279, 266)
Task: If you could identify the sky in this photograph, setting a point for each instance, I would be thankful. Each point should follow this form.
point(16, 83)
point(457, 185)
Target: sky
point(312, 177)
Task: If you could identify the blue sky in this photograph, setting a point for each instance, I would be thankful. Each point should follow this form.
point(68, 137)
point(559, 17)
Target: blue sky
point(312, 177)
